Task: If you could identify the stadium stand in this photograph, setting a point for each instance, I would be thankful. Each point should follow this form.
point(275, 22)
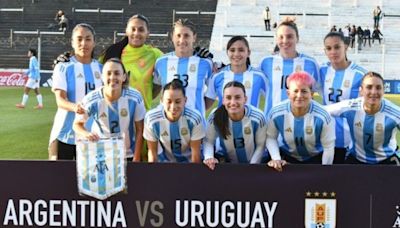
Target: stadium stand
point(39, 14)
point(314, 18)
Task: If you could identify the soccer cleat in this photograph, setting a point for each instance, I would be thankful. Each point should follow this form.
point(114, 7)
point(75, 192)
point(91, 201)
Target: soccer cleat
point(38, 107)
point(19, 105)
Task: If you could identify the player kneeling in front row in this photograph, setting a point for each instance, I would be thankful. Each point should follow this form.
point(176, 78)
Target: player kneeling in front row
point(374, 122)
point(178, 129)
point(115, 108)
point(299, 129)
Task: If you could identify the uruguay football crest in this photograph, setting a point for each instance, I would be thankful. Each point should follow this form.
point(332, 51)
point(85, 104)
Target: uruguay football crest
point(320, 210)
point(101, 167)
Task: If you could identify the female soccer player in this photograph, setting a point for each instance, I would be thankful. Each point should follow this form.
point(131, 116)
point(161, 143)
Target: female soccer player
point(299, 129)
point(239, 70)
point(279, 66)
point(115, 108)
point(340, 80)
point(178, 129)
point(71, 82)
point(374, 122)
point(240, 127)
point(193, 71)
point(138, 58)
point(33, 81)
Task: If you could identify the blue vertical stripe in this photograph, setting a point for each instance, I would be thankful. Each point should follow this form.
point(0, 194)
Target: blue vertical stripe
point(299, 138)
point(240, 147)
point(319, 124)
point(176, 147)
point(201, 75)
point(113, 118)
point(279, 124)
point(389, 126)
point(287, 70)
point(368, 129)
point(89, 77)
point(339, 132)
point(132, 130)
point(101, 177)
point(337, 84)
point(350, 120)
point(71, 89)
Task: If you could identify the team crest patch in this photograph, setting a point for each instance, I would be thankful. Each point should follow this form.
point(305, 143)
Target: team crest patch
point(103, 115)
point(124, 112)
point(184, 131)
point(247, 84)
point(277, 68)
point(320, 210)
point(298, 68)
point(192, 68)
point(288, 130)
point(358, 124)
point(309, 130)
point(97, 75)
point(346, 83)
point(379, 127)
point(247, 130)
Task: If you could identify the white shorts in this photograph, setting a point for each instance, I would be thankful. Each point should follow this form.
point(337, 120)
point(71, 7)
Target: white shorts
point(32, 84)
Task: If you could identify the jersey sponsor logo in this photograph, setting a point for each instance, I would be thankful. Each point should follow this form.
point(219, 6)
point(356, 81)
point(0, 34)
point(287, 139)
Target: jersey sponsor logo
point(358, 124)
point(184, 131)
point(247, 130)
point(247, 84)
point(346, 83)
point(103, 115)
point(124, 112)
point(165, 133)
point(97, 75)
point(320, 210)
point(192, 68)
point(379, 127)
point(309, 130)
point(288, 130)
point(298, 68)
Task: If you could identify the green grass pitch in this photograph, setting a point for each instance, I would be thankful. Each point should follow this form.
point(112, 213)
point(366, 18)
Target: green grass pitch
point(24, 133)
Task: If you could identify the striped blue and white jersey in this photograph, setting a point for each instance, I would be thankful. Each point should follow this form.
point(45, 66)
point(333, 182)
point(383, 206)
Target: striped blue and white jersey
point(374, 136)
point(119, 117)
point(76, 79)
point(245, 144)
point(194, 72)
point(33, 71)
point(301, 137)
point(277, 69)
point(253, 80)
point(174, 137)
point(338, 85)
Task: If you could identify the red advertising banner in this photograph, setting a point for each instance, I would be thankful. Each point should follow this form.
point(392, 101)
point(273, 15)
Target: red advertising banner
point(13, 78)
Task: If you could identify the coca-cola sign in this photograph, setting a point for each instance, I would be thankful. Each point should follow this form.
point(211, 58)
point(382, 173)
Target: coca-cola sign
point(10, 78)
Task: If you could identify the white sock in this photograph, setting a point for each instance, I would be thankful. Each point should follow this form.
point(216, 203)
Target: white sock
point(39, 99)
point(25, 99)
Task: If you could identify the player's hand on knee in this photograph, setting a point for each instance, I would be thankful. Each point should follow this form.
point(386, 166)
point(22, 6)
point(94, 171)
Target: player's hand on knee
point(62, 58)
point(277, 164)
point(210, 163)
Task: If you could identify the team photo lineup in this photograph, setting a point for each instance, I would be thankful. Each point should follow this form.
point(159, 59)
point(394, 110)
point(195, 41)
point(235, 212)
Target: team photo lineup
point(182, 107)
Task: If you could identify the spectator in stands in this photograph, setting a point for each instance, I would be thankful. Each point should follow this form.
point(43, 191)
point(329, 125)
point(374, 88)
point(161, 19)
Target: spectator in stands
point(299, 130)
point(376, 35)
point(334, 29)
point(278, 67)
point(138, 58)
point(71, 82)
point(240, 127)
point(377, 16)
point(61, 20)
point(57, 18)
point(360, 37)
point(340, 31)
point(367, 36)
point(267, 19)
point(124, 107)
point(240, 70)
point(340, 80)
point(346, 34)
point(374, 122)
point(33, 81)
point(353, 33)
point(193, 71)
point(178, 129)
